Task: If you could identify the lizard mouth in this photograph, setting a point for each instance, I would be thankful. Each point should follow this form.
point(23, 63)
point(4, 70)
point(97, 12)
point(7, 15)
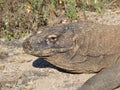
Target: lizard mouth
point(47, 52)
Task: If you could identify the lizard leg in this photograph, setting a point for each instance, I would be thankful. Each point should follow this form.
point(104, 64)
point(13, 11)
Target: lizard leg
point(107, 79)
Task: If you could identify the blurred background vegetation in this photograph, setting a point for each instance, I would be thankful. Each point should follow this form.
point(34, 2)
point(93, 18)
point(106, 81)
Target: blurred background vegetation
point(21, 17)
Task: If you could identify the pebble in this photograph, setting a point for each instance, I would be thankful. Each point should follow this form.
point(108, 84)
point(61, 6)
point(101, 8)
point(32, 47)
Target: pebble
point(2, 66)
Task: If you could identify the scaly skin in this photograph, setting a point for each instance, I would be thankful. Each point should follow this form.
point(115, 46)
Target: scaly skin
point(83, 47)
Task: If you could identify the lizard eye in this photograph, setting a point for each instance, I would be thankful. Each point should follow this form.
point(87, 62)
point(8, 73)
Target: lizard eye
point(52, 38)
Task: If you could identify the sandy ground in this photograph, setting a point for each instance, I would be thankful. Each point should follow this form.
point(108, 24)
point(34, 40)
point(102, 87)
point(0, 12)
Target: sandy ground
point(20, 71)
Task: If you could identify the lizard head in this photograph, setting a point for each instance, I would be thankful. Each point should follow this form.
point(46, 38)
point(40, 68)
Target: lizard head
point(49, 42)
point(59, 45)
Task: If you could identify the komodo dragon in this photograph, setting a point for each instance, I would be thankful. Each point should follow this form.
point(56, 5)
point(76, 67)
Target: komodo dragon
point(83, 47)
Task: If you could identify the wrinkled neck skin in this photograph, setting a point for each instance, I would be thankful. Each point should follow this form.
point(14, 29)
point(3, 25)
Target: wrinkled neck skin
point(94, 49)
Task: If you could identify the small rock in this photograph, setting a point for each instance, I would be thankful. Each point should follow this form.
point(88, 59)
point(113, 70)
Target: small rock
point(1, 50)
point(2, 66)
point(30, 85)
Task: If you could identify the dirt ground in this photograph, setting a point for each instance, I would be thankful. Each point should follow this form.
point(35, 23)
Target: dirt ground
point(20, 71)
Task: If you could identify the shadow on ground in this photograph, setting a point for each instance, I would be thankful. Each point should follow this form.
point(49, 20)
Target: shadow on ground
point(42, 63)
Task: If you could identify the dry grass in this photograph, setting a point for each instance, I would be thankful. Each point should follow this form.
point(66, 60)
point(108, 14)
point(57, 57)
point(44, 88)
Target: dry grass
point(20, 17)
